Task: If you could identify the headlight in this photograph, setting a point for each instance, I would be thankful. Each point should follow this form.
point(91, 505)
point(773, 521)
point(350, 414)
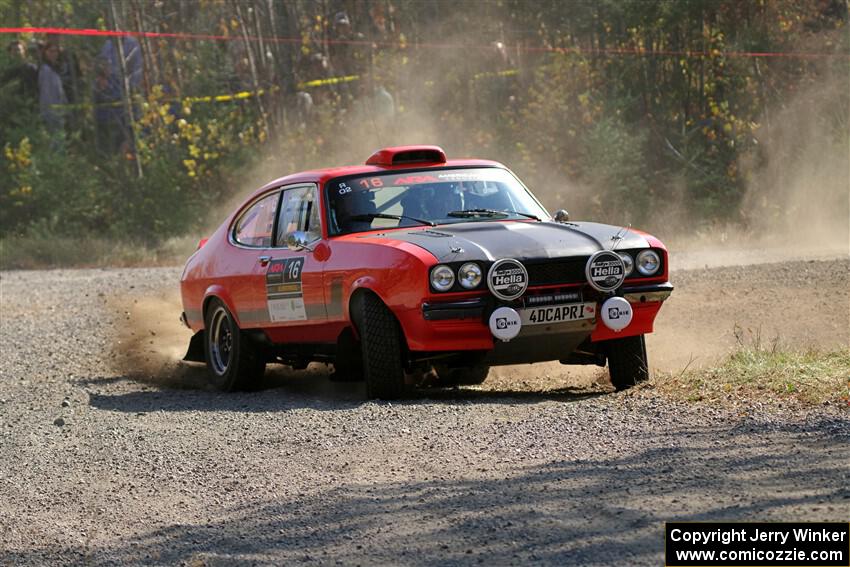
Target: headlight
point(442, 278)
point(648, 262)
point(469, 275)
point(627, 260)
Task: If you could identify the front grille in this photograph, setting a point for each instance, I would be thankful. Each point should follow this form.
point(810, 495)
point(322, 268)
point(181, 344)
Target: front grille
point(556, 271)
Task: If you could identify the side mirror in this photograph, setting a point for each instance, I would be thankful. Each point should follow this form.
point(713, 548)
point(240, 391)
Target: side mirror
point(298, 240)
point(561, 216)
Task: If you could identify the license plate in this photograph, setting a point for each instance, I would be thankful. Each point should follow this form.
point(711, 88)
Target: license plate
point(554, 314)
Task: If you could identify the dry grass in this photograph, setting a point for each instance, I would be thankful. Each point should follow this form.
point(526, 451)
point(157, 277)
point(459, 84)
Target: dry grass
point(752, 372)
point(33, 252)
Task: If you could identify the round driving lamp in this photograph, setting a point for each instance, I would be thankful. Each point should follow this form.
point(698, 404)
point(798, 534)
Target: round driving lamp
point(627, 260)
point(648, 262)
point(442, 278)
point(469, 275)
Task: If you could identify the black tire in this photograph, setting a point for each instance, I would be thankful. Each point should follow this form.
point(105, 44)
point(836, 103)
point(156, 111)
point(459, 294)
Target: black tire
point(233, 360)
point(627, 364)
point(381, 347)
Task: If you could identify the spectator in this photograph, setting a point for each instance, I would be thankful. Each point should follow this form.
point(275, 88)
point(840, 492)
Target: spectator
point(22, 72)
point(374, 104)
point(51, 94)
point(113, 125)
point(303, 109)
point(348, 56)
point(68, 67)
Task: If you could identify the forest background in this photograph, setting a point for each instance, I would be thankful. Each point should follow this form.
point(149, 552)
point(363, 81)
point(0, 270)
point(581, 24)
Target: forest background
point(699, 120)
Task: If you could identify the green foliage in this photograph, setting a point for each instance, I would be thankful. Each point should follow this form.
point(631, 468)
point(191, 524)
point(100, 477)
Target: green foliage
point(612, 160)
point(608, 108)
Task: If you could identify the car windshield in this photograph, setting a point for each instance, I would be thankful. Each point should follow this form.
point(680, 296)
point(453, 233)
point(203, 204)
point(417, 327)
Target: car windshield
point(432, 197)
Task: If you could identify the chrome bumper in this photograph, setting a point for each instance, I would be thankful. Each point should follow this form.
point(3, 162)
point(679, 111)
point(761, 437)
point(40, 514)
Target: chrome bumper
point(647, 293)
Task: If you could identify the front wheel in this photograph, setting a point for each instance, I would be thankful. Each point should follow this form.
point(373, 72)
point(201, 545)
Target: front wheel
point(627, 363)
point(381, 343)
point(233, 362)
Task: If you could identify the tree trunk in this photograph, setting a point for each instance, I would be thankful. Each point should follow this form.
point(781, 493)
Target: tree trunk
point(128, 105)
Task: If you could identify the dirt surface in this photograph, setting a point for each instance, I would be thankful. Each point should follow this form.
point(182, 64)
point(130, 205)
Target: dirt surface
point(111, 453)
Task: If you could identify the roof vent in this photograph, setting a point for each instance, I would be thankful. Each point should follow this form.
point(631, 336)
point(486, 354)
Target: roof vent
point(403, 155)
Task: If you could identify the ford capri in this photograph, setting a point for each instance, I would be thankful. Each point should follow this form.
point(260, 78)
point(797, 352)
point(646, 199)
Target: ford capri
point(414, 264)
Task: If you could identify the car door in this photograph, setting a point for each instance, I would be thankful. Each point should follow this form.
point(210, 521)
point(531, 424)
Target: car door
point(253, 239)
point(293, 278)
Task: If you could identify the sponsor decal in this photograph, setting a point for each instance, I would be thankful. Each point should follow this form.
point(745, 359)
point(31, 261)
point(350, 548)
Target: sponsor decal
point(507, 279)
point(414, 179)
point(461, 175)
point(605, 270)
point(505, 323)
point(284, 293)
point(616, 313)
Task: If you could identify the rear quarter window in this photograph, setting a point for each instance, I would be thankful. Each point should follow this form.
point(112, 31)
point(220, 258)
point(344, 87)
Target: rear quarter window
point(256, 225)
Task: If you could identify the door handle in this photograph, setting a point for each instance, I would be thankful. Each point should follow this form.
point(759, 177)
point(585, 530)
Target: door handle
point(264, 260)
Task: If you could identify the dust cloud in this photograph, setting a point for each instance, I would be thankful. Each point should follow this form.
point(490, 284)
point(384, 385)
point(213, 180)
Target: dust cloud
point(152, 341)
point(796, 207)
point(797, 201)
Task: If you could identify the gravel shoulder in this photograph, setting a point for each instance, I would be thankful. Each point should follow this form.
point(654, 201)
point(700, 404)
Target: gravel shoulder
point(150, 470)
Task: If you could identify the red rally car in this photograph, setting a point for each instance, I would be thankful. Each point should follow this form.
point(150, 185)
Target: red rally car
point(412, 263)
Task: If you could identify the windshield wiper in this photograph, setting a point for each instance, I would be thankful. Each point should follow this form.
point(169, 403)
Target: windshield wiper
point(489, 213)
point(373, 216)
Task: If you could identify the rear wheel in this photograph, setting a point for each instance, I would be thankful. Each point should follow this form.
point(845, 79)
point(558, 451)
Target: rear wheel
point(627, 363)
point(233, 361)
point(381, 345)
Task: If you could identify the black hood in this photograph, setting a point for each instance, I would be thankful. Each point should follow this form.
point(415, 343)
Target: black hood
point(521, 240)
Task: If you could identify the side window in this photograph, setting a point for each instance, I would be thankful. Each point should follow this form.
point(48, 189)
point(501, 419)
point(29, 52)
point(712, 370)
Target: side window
point(299, 211)
point(255, 226)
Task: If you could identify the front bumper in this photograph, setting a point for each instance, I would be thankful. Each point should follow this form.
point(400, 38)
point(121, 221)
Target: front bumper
point(462, 324)
point(480, 307)
point(647, 293)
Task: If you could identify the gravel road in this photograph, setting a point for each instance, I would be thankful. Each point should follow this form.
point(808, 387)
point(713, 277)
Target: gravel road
point(100, 468)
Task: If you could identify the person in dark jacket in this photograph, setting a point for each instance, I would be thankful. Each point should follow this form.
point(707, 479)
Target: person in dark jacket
point(51, 94)
point(113, 125)
point(22, 72)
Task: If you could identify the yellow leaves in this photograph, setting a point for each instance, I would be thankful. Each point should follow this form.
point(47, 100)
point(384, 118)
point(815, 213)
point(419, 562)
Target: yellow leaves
point(191, 167)
point(20, 157)
point(19, 161)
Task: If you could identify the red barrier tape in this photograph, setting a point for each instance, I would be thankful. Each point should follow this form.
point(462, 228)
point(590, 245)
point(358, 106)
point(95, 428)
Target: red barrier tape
point(542, 49)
